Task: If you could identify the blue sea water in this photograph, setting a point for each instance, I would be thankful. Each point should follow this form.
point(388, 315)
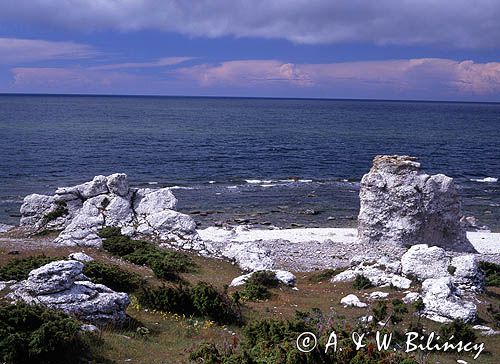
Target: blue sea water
point(266, 160)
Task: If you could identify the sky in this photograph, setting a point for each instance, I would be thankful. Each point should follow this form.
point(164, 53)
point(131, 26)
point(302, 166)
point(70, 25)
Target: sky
point(367, 49)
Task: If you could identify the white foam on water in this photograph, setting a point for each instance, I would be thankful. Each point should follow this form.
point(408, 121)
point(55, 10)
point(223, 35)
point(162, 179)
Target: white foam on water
point(485, 179)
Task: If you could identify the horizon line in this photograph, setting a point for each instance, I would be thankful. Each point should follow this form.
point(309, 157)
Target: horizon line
point(242, 97)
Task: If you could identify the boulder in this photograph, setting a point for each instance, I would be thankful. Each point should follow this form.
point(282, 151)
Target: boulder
point(402, 205)
point(466, 273)
point(422, 262)
point(377, 295)
point(117, 183)
point(62, 286)
point(147, 201)
point(81, 257)
point(411, 297)
point(444, 302)
point(352, 300)
point(248, 256)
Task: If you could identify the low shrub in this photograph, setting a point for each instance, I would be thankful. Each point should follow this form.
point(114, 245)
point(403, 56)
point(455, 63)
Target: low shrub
point(399, 309)
point(32, 334)
point(112, 276)
point(324, 275)
point(60, 210)
point(164, 264)
point(18, 269)
point(201, 300)
point(457, 331)
point(361, 282)
point(256, 287)
point(491, 273)
point(379, 311)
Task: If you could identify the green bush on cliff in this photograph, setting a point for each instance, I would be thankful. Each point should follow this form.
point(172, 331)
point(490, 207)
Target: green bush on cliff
point(491, 272)
point(256, 287)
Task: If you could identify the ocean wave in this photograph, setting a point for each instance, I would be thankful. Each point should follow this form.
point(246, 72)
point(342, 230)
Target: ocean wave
point(181, 188)
point(152, 183)
point(485, 180)
point(257, 181)
point(271, 181)
point(211, 182)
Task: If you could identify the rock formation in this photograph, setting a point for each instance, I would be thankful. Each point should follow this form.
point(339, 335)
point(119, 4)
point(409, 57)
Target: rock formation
point(401, 204)
point(448, 283)
point(62, 286)
point(80, 211)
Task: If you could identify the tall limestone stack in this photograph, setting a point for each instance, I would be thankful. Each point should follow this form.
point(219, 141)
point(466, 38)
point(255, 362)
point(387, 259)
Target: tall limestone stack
point(401, 204)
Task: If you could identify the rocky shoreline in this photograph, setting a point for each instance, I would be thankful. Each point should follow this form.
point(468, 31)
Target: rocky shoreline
point(404, 213)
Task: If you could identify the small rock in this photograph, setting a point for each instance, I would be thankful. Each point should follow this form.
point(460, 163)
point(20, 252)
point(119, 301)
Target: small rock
point(423, 262)
point(81, 257)
point(89, 328)
point(411, 297)
point(378, 295)
point(352, 300)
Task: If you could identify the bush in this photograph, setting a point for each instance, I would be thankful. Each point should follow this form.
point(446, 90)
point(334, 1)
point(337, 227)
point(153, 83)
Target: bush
point(32, 334)
point(18, 269)
point(324, 275)
point(398, 310)
point(60, 210)
point(164, 264)
point(491, 272)
point(256, 287)
point(361, 282)
point(112, 276)
point(200, 300)
point(459, 330)
point(379, 311)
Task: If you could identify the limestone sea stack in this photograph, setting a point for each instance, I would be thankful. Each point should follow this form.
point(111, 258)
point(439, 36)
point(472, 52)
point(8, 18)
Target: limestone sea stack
point(81, 210)
point(401, 204)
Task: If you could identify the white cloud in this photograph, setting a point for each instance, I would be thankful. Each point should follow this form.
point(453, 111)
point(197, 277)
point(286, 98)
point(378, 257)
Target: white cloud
point(162, 62)
point(14, 50)
point(452, 23)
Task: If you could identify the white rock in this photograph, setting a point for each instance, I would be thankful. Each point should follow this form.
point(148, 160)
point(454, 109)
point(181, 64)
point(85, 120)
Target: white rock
point(118, 212)
point(81, 257)
point(117, 183)
point(89, 328)
point(443, 302)
point(147, 201)
point(411, 297)
point(467, 274)
point(248, 256)
point(378, 295)
point(34, 209)
point(485, 330)
point(285, 277)
point(352, 300)
point(97, 186)
point(170, 221)
point(61, 286)
point(401, 204)
point(423, 262)
point(53, 277)
point(400, 282)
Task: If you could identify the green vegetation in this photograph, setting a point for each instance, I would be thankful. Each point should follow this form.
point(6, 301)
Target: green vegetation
point(452, 269)
point(491, 272)
point(201, 300)
point(324, 275)
point(32, 334)
point(361, 282)
point(165, 264)
point(18, 269)
point(457, 330)
point(273, 341)
point(112, 276)
point(60, 211)
point(256, 287)
point(379, 311)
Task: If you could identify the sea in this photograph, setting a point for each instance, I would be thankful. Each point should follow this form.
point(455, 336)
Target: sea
point(284, 162)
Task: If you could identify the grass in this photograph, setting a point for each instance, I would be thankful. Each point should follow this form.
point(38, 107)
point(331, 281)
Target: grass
point(172, 337)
